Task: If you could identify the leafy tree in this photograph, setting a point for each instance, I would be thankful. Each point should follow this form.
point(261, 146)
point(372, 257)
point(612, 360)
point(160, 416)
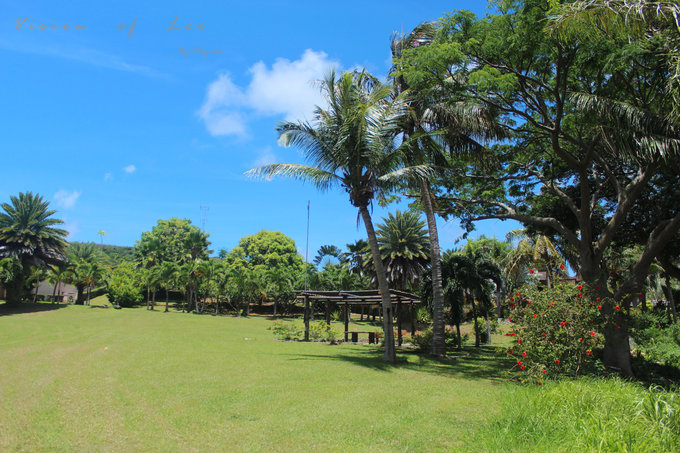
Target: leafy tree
point(29, 235)
point(352, 145)
point(588, 129)
point(174, 240)
point(124, 288)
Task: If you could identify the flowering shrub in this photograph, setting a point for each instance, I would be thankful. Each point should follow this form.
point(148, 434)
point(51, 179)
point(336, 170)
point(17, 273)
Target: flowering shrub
point(555, 331)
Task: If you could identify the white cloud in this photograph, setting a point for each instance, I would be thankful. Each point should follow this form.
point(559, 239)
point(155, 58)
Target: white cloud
point(265, 157)
point(129, 169)
point(65, 199)
point(286, 89)
point(108, 177)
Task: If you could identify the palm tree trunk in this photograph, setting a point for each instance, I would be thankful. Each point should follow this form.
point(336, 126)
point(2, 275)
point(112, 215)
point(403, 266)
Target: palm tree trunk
point(548, 275)
point(438, 324)
point(671, 299)
point(474, 317)
point(388, 330)
point(488, 327)
point(148, 297)
point(54, 291)
point(37, 286)
point(153, 299)
point(89, 291)
point(166, 300)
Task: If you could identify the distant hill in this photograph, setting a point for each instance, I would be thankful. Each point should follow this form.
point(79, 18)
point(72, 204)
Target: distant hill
point(116, 253)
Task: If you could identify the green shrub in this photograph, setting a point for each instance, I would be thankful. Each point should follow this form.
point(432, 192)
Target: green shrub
point(556, 331)
point(423, 316)
point(423, 340)
point(481, 323)
point(286, 330)
point(322, 331)
point(656, 338)
point(123, 287)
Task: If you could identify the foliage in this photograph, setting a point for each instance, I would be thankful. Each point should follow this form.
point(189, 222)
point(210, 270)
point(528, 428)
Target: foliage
point(483, 335)
point(322, 331)
point(29, 235)
point(123, 287)
point(656, 338)
point(583, 415)
point(286, 330)
point(174, 240)
point(557, 331)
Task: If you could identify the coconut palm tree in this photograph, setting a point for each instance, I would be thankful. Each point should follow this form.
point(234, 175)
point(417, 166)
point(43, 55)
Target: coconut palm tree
point(351, 144)
point(57, 275)
point(326, 255)
point(29, 234)
point(537, 250)
point(434, 128)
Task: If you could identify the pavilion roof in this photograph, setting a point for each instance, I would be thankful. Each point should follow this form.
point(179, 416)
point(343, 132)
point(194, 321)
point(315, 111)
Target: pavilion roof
point(367, 297)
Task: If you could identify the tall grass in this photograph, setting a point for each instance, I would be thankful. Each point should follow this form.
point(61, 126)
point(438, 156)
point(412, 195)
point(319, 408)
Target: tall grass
point(607, 415)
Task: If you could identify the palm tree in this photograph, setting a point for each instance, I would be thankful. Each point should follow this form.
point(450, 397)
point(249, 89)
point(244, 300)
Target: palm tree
point(433, 127)
point(57, 274)
point(355, 256)
point(537, 250)
point(29, 235)
point(168, 272)
point(404, 246)
point(352, 145)
point(80, 257)
point(328, 253)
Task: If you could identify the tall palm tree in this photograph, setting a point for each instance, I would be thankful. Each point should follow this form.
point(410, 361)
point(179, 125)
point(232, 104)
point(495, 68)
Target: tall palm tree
point(352, 145)
point(29, 234)
point(57, 275)
point(433, 127)
point(355, 256)
point(168, 272)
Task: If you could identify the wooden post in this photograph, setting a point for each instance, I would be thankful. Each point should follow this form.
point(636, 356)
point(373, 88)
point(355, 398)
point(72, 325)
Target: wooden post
point(413, 320)
point(328, 312)
point(346, 321)
point(306, 317)
point(399, 322)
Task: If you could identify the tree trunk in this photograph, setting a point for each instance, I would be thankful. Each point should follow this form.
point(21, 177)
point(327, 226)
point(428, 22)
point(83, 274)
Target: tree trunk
point(54, 291)
point(166, 300)
point(153, 299)
point(148, 297)
point(37, 287)
point(474, 317)
point(80, 296)
point(488, 327)
point(616, 353)
point(671, 300)
point(388, 330)
point(438, 324)
point(89, 292)
point(14, 290)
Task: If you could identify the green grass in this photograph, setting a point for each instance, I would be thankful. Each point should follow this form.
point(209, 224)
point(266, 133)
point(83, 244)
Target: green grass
point(90, 379)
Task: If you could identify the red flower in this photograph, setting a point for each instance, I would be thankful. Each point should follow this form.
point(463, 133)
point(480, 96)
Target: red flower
point(543, 334)
point(580, 294)
point(535, 315)
point(617, 307)
point(588, 351)
point(510, 319)
point(514, 334)
point(580, 286)
point(642, 295)
point(557, 361)
point(597, 300)
point(540, 383)
point(509, 351)
point(616, 326)
point(580, 340)
point(562, 324)
point(512, 298)
point(597, 288)
point(507, 334)
point(522, 367)
point(512, 304)
point(519, 341)
point(528, 302)
point(524, 354)
point(592, 334)
point(518, 293)
point(599, 307)
point(543, 371)
point(562, 266)
point(519, 363)
point(531, 271)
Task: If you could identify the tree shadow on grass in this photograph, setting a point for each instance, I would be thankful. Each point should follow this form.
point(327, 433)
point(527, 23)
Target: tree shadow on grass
point(486, 362)
point(8, 310)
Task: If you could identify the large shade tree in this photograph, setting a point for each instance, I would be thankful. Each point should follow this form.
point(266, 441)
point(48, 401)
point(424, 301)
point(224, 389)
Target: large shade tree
point(589, 129)
point(351, 144)
point(30, 236)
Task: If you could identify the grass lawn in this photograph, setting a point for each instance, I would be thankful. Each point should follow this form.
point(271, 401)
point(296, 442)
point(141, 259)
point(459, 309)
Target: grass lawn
point(76, 378)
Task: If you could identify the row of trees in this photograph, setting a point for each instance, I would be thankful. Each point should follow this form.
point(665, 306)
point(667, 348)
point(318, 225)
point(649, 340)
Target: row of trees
point(562, 117)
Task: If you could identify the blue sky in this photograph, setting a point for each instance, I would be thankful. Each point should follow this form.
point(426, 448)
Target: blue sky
point(119, 128)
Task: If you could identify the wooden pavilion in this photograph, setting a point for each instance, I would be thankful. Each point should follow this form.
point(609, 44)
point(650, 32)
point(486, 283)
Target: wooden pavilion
point(349, 299)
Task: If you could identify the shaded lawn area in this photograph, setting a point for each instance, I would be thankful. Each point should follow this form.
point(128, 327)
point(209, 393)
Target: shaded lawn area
point(82, 379)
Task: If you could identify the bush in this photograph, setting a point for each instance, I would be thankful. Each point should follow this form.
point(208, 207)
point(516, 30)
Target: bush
point(423, 340)
point(286, 330)
point(322, 331)
point(556, 332)
point(656, 338)
point(481, 323)
point(124, 288)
